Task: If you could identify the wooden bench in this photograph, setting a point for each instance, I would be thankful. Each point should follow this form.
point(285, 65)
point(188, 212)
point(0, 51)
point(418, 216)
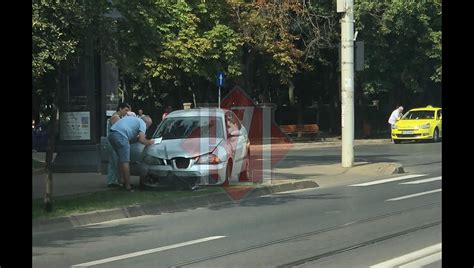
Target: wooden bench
point(312, 129)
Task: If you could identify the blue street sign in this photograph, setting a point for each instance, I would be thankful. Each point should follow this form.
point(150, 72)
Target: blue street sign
point(220, 79)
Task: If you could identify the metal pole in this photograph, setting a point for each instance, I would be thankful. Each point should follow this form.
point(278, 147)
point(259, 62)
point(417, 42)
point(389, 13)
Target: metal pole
point(219, 100)
point(347, 84)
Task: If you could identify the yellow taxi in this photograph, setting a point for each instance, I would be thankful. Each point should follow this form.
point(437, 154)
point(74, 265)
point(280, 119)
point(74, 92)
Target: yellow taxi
point(419, 124)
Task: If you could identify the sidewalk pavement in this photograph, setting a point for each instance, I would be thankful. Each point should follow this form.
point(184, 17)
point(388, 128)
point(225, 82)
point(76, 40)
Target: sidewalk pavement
point(283, 179)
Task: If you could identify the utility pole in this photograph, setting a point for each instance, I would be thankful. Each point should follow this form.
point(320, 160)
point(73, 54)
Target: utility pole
point(347, 81)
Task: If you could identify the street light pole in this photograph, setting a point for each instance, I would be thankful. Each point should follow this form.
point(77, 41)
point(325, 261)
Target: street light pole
point(347, 84)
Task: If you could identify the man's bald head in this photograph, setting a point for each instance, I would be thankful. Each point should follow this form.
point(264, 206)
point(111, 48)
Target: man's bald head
point(147, 120)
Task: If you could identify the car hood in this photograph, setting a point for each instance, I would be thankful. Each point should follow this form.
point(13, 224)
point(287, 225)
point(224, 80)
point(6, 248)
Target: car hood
point(188, 148)
point(413, 123)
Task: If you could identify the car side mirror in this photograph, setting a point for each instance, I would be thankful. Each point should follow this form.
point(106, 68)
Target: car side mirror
point(441, 117)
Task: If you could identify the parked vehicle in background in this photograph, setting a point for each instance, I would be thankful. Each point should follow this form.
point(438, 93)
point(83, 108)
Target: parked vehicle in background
point(419, 124)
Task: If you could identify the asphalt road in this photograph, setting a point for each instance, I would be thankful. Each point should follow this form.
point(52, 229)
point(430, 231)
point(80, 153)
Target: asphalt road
point(358, 224)
point(415, 157)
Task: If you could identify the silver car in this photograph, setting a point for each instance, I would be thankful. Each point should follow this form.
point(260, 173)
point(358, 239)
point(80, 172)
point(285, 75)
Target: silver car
point(206, 146)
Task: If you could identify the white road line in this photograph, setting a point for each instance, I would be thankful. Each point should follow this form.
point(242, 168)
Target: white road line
point(423, 181)
point(389, 180)
point(409, 257)
point(292, 191)
point(413, 195)
point(423, 261)
point(149, 251)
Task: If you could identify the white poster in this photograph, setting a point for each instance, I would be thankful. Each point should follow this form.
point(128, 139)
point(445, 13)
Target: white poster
point(75, 126)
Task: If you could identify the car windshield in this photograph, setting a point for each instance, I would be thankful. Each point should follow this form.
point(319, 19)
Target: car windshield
point(415, 115)
point(190, 127)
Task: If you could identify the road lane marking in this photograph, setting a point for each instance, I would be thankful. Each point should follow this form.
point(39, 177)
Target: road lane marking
point(149, 251)
point(409, 257)
point(423, 261)
point(414, 195)
point(293, 191)
point(389, 180)
point(423, 181)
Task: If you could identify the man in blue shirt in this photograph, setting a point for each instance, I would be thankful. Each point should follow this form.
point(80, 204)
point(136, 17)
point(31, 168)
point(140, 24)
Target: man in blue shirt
point(121, 133)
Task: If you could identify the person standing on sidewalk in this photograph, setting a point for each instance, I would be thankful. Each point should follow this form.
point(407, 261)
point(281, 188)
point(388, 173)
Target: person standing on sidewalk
point(112, 169)
point(396, 114)
point(121, 133)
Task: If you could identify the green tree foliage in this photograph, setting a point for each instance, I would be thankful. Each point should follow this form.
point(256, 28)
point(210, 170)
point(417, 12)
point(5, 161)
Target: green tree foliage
point(402, 45)
point(51, 41)
point(265, 28)
point(166, 44)
point(58, 29)
point(318, 28)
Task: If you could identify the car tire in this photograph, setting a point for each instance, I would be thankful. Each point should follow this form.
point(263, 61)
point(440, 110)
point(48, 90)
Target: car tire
point(436, 135)
point(396, 141)
point(146, 183)
point(245, 174)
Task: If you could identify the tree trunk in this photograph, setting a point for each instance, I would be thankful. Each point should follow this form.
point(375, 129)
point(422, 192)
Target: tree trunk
point(291, 93)
point(48, 202)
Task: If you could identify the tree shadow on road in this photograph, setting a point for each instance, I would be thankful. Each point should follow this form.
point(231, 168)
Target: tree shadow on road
point(300, 161)
point(275, 200)
point(91, 233)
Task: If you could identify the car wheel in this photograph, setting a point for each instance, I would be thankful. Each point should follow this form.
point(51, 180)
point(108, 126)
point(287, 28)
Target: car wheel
point(245, 174)
point(436, 135)
point(396, 141)
point(148, 182)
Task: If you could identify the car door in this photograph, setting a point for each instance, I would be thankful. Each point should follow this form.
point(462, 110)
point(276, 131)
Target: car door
point(231, 140)
point(242, 139)
point(239, 144)
point(440, 118)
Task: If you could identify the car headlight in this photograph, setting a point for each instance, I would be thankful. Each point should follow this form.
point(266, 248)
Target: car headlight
point(208, 159)
point(150, 160)
point(427, 125)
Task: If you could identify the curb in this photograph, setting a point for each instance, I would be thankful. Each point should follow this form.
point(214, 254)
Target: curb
point(398, 169)
point(168, 206)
